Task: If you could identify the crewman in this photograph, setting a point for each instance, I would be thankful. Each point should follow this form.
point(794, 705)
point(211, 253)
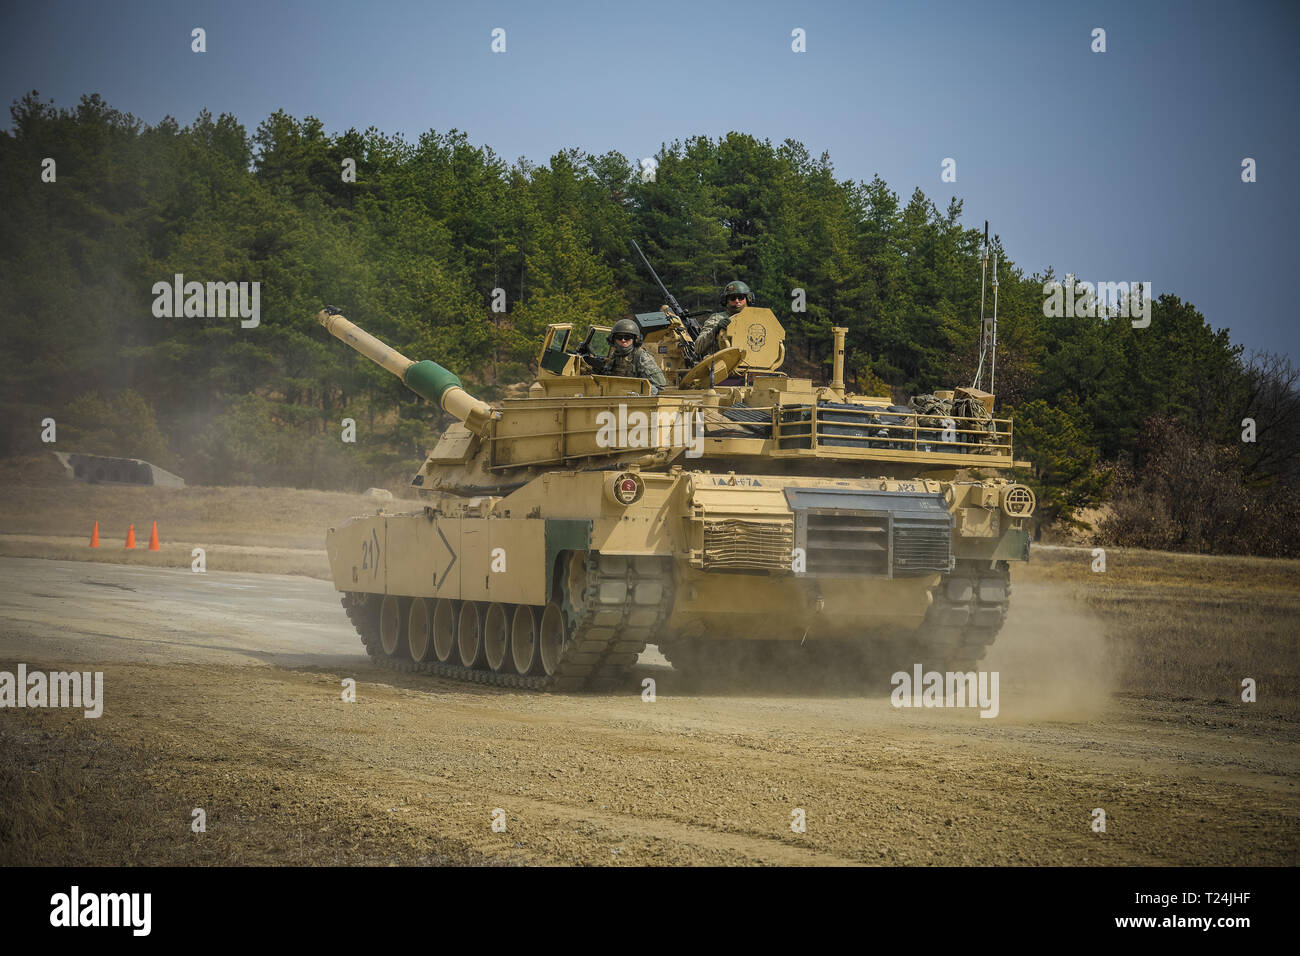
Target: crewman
point(734, 297)
point(626, 357)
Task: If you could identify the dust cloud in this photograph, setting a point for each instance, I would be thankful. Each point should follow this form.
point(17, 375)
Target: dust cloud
point(1053, 656)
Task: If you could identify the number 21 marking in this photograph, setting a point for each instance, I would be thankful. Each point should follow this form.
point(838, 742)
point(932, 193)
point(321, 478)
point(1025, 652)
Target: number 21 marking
point(370, 554)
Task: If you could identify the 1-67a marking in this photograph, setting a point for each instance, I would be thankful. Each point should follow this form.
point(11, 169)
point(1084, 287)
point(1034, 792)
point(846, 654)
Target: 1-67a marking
point(370, 554)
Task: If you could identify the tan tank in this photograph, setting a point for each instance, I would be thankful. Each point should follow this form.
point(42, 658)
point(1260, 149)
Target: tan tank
point(737, 516)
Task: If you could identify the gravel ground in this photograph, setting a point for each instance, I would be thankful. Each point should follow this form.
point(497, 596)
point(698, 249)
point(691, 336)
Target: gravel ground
point(223, 692)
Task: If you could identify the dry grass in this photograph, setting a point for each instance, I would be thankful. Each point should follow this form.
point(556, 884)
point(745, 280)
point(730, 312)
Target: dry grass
point(1188, 626)
point(54, 781)
point(44, 514)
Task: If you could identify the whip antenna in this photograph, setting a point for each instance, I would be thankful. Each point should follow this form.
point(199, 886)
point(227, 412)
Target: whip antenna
point(993, 334)
point(984, 344)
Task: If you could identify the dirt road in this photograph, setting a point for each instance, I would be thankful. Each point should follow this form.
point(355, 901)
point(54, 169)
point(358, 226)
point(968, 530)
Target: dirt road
point(223, 693)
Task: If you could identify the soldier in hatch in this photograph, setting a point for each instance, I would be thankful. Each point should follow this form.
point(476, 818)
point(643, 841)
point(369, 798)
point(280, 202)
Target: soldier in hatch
point(626, 357)
point(735, 297)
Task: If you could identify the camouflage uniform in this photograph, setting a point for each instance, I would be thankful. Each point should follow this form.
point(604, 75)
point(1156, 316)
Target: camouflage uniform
point(706, 343)
point(635, 364)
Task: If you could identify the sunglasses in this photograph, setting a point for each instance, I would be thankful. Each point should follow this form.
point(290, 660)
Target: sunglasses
point(624, 338)
point(737, 297)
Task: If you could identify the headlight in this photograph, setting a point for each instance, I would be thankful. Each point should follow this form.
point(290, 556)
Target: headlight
point(1018, 501)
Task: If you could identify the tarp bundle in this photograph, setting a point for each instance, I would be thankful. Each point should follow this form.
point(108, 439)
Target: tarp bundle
point(932, 410)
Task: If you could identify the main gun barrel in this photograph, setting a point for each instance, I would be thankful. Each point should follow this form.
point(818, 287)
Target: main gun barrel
point(427, 379)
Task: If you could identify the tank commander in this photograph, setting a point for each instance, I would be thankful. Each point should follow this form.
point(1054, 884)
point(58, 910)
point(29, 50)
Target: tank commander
point(734, 297)
point(626, 357)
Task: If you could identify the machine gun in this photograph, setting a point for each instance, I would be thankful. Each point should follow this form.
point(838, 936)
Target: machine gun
point(688, 318)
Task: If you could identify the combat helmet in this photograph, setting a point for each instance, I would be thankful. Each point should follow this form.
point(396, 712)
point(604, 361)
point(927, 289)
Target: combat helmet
point(625, 327)
point(736, 287)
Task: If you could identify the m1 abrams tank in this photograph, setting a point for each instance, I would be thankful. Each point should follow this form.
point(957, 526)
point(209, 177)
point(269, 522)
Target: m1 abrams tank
point(738, 516)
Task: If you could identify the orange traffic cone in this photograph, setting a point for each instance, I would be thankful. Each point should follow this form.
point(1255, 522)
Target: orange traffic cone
point(153, 538)
point(130, 537)
point(94, 536)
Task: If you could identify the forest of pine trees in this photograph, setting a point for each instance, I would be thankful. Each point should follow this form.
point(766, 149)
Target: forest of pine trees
point(413, 249)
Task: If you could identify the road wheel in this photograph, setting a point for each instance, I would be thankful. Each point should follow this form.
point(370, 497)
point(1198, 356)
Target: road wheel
point(496, 639)
point(525, 650)
point(419, 636)
point(469, 634)
point(444, 631)
point(553, 634)
point(392, 627)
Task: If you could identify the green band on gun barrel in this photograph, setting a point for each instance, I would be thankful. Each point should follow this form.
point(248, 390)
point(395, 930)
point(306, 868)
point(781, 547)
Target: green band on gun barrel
point(429, 380)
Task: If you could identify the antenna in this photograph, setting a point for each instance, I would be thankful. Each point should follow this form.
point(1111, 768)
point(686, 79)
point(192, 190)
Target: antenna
point(993, 368)
point(984, 265)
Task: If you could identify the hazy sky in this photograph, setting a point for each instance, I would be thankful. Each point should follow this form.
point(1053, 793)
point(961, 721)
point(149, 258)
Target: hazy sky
point(1117, 166)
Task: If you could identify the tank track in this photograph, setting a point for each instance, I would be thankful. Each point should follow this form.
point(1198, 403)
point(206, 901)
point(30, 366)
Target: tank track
point(622, 604)
point(969, 606)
